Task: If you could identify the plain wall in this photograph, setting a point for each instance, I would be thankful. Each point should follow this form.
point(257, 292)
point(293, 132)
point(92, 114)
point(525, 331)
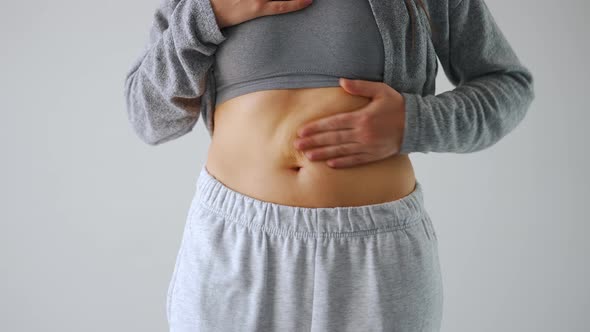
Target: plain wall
point(91, 217)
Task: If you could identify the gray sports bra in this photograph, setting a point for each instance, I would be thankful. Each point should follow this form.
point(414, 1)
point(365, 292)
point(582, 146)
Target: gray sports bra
point(311, 47)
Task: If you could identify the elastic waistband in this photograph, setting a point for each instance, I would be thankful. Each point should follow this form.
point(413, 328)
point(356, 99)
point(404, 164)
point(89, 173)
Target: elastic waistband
point(296, 221)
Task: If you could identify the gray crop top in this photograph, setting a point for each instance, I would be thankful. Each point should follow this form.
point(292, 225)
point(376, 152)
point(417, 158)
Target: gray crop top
point(311, 47)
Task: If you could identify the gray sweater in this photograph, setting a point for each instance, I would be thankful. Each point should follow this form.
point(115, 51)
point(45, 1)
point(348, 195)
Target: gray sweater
point(171, 84)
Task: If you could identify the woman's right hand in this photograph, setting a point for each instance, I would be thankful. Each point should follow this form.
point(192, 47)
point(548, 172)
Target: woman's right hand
point(232, 12)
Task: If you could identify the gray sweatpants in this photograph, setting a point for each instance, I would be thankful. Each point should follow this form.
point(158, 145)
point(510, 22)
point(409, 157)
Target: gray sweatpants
point(251, 265)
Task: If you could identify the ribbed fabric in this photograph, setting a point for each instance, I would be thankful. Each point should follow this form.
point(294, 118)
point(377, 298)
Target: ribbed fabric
point(312, 47)
point(297, 221)
point(254, 266)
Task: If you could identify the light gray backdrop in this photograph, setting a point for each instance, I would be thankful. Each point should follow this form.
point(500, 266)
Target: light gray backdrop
point(91, 217)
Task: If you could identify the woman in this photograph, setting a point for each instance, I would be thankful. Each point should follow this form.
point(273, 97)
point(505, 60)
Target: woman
point(307, 215)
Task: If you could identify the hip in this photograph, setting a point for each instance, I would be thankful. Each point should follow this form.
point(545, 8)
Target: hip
point(313, 183)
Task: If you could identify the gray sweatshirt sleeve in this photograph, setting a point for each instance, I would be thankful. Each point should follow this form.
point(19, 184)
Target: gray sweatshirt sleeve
point(164, 85)
point(492, 94)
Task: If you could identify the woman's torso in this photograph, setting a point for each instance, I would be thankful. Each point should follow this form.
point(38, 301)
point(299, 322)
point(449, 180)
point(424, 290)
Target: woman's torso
point(252, 152)
point(252, 147)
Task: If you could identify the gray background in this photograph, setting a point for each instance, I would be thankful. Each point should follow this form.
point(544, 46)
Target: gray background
point(91, 217)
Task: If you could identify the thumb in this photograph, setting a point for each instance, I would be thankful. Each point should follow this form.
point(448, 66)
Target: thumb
point(360, 87)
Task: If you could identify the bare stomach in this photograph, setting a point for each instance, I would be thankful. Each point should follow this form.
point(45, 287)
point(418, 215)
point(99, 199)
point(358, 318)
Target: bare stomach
point(252, 152)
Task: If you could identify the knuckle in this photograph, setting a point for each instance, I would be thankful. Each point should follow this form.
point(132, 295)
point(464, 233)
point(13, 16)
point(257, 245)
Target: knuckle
point(366, 136)
point(281, 6)
point(345, 118)
point(364, 119)
point(258, 6)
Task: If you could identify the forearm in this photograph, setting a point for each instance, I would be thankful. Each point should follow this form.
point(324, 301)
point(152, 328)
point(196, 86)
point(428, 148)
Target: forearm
point(164, 85)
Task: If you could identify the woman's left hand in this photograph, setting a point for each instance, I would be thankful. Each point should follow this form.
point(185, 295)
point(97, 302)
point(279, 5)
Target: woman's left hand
point(373, 132)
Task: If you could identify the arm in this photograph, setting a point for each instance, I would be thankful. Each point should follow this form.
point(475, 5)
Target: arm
point(492, 94)
point(164, 86)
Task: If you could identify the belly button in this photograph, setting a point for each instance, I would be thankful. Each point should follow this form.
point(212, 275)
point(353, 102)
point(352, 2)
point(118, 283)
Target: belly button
point(296, 168)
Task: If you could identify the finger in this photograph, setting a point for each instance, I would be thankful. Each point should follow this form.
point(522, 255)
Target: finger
point(281, 7)
point(371, 89)
point(332, 122)
point(350, 160)
point(333, 137)
point(333, 151)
